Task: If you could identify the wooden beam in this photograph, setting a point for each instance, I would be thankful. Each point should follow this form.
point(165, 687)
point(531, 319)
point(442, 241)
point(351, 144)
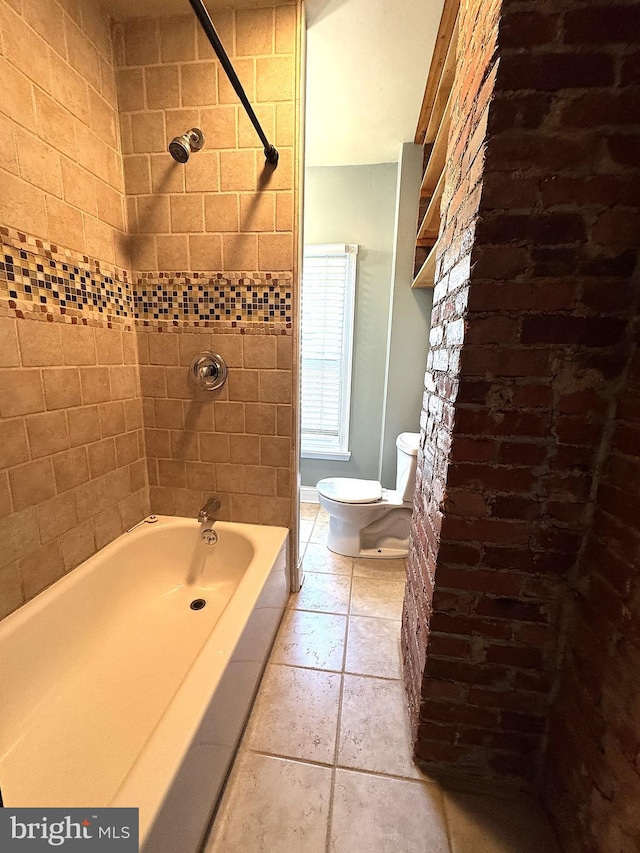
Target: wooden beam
point(427, 272)
point(438, 155)
point(440, 51)
point(430, 225)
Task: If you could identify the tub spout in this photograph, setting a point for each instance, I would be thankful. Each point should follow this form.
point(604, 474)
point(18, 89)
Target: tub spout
point(207, 511)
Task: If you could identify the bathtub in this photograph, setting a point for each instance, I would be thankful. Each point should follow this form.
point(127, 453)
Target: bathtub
point(115, 692)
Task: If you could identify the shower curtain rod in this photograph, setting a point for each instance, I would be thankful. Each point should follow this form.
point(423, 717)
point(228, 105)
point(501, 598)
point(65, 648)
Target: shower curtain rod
point(270, 152)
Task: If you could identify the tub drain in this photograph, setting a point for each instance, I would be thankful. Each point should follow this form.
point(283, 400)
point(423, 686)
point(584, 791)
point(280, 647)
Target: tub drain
point(198, 603)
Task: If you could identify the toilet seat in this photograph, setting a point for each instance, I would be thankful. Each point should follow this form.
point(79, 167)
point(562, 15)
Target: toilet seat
point(348, 490)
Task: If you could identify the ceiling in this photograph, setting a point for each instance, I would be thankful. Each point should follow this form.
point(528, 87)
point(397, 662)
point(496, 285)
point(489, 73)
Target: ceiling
point(367, 65)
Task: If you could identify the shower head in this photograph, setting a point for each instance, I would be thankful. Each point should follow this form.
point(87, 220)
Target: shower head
point(181, 147)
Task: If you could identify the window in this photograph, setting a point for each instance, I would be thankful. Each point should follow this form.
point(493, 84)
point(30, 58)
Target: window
point(328, 297)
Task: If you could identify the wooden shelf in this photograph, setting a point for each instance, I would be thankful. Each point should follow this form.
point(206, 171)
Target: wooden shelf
point(432, 131)
point(427, 272)
point(430, 225)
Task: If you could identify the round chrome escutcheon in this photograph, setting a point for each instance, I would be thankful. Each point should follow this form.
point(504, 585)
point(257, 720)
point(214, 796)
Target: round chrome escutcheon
point(209, 536)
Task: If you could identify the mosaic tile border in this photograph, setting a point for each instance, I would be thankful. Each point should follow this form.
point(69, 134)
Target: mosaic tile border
point(40, 276)
point(237, 299)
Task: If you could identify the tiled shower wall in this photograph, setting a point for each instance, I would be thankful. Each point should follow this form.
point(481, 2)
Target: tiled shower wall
point(72, 474)
point(213, 250)
point(73, 314)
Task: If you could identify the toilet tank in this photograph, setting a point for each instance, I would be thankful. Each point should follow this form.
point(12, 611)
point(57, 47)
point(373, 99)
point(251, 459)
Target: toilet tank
point(407, 458)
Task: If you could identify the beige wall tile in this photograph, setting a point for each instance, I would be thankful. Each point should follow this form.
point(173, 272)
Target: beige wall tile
point(99, 239)
point(93, 152)
point(187, 214)
point(180, 121)
point(97, 25)
point(198, 415)
point(230, 478)
point(284, 211)
point(275, 451)
point(130, 83)
point(84, 425)
point(137, 174)
point(214, 447)
point(230, 347)
point(13, 442)
point(17, 101)
point(64, 224)
point(205, 251)
point(185, 445)
point(41, 568)
point(173, 252)
point(82, 54)
point(240, 252)
point(169, 414)
point(71, 469)
point(20, 392)
point(158, 443)
point(56, 516)
point(260, 351)
point(201, 475)
point(16, 535)
point(133, 414)
point(223, 21)
point(229, 417)
point(243, 385)
point(104, 119)
point(141, 42)
point(286, 29)
point(20, 203)
point(172, 472)
point(123, 380)
point(11, 596)
point(275, 252)
point(284, 425)
point(153, 214)
point(167, 176)
point(102, 457)
point(254, 31)
point(8, 142)
point(143, 253)
point(78, 545)
point(148, 132)
point(198, 84)
point(219, 126)
point(190, 344)
point(180, 386)
point(202, 173)
point(107, 526)
point(284, 124)
point(78, 344)
point(162, 83)
point(31, 483)
point(244, 449)
point(47, 433)
point(111, 418)
point(246, 71)
point(275, 386)
point(110, 208)
point(237, 171)
point(221, 212)
point(9, 353)
point(260, 418)
point(261, 480)
point(153, 381)
point(94, 383)
point(78, 187)
point(247, 135)
point(163, 349)
point(275, 77)
point(178, 38)
point(276, 179)
point(40, 165)
point(109, 346)
point(126, 448)
point(257, 211)
point(61, 387)
point(25, 48)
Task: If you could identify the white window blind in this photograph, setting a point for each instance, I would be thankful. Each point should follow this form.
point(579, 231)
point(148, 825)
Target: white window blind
point(328, 297)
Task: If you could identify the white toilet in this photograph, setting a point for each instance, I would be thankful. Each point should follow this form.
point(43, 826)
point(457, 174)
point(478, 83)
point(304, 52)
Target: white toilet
point(367, 520)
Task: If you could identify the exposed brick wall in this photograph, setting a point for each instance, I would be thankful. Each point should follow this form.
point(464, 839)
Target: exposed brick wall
point(529, 342)
point(591, 780)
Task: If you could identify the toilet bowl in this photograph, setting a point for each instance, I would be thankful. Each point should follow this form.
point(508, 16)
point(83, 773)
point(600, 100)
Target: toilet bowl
point(366, 520)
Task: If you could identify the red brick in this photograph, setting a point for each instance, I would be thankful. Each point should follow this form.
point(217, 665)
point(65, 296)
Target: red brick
point(601, 24)
point(473, 626)
point(462, 502)
point(552, 296)
point(550, 261)
point(526, 29)
point(514, 507)
point(588, 331)
point(521, 453)
point(513, 721)
point(582, 403)
point(537, 154)
point(525, 657)
point(619, 227)
point(603, 108)
point(624, 149)
point(532, 396)
point(507, 700)
point(443, 645)
point(505, 362)
point(473, 450)
point(467, 673)
point(459, 553)
point(497, 583)
point(510, 422)
point(511, 608)
point(550, 72)
point(502, 190)
point(502, 479)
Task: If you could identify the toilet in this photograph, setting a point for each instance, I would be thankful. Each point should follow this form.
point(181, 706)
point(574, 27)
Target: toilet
point(366, 520)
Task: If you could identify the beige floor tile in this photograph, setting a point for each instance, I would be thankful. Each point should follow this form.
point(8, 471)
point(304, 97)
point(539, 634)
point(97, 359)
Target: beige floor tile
point(374, 727)
point(320, 528)
point(373, 647)
point(375, 597)
point(311, 639)
point(381, 815)
point(479, 824)
point(296, 714)
point(308, 510)
point(382, 569)
point(305, 528)
point(324, 593)
point(318, 558)
point(273, 806)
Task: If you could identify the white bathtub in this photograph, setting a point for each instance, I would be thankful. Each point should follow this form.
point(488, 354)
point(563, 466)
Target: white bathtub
point(114, 692)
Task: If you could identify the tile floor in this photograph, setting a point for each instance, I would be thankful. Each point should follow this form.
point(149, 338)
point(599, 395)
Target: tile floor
point(325, 762)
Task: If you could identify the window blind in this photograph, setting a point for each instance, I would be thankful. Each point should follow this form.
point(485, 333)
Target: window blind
point(328, 294)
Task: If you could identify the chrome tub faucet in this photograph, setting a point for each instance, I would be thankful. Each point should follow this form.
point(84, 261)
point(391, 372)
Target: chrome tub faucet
point(207, 511)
